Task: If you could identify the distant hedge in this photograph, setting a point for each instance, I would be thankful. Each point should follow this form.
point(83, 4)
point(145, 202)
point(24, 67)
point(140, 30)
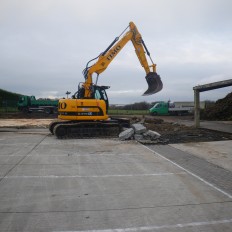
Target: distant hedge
point(6, 95)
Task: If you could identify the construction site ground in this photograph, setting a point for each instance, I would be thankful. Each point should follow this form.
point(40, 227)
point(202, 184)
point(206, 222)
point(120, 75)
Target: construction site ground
point(174, 129)
point(109, 185)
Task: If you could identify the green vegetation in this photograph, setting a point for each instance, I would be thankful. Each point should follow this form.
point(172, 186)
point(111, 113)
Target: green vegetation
point(127, 112)
point(6, 95)
point(137, 108)
point(8, 109)
point(8, 101)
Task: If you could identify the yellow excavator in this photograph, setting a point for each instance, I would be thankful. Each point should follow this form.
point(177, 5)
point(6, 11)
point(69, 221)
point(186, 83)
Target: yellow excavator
point(86, 113)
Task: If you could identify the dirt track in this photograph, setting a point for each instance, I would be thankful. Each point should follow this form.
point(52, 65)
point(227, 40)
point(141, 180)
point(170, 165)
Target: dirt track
point(25, 123)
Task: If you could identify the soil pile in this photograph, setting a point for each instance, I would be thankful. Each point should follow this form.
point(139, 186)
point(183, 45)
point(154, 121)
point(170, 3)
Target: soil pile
point(173, 132)
point(222, 110)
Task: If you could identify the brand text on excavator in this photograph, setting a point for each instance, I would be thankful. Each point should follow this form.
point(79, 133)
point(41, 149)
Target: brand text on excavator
point(114, 53)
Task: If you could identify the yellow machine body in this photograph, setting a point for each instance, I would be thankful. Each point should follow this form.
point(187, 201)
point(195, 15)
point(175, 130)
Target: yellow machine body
point(82, 109)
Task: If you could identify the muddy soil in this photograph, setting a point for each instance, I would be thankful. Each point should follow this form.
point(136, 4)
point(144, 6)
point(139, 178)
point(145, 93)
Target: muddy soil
point(173, 132)
point(168, 127)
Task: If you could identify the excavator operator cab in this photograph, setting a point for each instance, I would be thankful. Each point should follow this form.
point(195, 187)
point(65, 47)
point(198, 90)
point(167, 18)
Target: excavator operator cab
point(80, 92)
point(98, 92)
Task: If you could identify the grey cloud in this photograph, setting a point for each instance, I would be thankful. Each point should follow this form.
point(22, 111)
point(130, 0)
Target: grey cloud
point(46, 44)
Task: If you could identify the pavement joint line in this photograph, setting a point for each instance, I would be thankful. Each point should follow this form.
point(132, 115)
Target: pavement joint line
point(113, 209)
point(16, 144)
point(152, 228)
point(99, 176)
point(10, 155)
point(191, 173)
point(85, 155)
point(74, 164)
point(41, 155)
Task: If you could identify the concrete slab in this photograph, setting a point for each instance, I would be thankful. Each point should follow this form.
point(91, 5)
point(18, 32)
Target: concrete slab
point(4, 169)
point(139, 128)
point(102, 185)
point(223, 126)
point(211, 174)
point(126, 134)
point(218, 153)
point(164, 219)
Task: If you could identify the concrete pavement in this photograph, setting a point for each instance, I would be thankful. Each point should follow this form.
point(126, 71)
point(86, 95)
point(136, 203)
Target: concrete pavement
point(217, 125)
point(101, 185)
point(223, 126)
point(217, 152)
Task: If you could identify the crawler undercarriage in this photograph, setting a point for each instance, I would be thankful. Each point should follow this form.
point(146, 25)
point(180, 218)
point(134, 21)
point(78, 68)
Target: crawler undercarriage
point(88, 129)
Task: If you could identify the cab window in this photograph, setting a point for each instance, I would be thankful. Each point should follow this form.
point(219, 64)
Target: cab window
point(97, 94)
point(21, 99)
point(158, 105)
point(104, 95)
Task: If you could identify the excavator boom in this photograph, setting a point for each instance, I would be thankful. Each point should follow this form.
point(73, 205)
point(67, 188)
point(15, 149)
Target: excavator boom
point(153, 79)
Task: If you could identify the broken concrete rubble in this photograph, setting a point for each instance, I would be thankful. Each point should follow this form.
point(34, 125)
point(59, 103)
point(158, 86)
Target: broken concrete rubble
point(126, 134)
point(139, 128)
point(138, 137)
point(151, 135)
point(140, 133)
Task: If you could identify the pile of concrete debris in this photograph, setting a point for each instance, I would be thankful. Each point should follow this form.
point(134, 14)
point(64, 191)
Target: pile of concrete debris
point(141, 134)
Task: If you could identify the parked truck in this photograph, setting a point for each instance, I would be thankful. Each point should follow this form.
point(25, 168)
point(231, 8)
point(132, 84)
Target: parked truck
point(169, 108)
point(30, 103)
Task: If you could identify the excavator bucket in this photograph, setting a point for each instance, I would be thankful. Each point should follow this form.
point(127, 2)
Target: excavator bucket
point(154, 83)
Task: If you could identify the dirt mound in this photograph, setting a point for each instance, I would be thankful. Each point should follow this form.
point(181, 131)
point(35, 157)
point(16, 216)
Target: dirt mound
point(222, 110)
point(174, 132)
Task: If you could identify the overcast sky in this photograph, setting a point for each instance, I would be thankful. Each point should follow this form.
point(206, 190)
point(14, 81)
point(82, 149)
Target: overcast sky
point(45, 45)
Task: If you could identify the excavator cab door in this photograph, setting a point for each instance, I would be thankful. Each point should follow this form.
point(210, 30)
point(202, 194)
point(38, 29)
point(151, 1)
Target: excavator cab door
point(100, 93)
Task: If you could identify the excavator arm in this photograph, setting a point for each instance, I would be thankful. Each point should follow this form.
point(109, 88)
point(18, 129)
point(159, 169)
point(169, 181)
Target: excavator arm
point(105, 58)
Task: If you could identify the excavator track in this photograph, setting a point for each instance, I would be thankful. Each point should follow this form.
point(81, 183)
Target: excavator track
point(56, 122)
point(86, 129)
